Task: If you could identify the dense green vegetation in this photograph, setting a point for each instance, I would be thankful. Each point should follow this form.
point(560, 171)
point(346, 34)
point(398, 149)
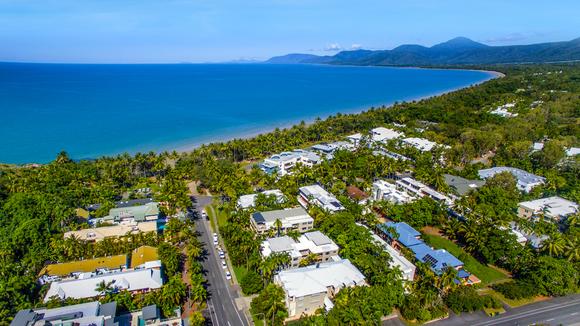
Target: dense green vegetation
point(37, 203)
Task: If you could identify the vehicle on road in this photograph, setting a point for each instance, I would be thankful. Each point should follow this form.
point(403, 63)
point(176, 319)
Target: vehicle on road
point(224, 265)
point(204, 215)
point(222, 254)
point(228, 275)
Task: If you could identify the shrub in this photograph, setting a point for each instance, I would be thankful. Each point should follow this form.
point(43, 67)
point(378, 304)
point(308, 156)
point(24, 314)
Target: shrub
point(466, 299)
point(516, 290)
point(251, 283)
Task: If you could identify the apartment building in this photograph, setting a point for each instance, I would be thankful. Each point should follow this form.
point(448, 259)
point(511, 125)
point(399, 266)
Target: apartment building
point(291, 219)
point(310, 243)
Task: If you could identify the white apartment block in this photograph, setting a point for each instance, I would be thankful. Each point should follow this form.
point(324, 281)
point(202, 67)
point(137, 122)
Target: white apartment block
point(421, 144)
point(383, 190)
point(316, 243)
point(284, 162)
point(291, 219)
point(316, 195)
point(247, 201)
point(555, 208)
point(310, 288)
point(382, 134)
point(419, 189)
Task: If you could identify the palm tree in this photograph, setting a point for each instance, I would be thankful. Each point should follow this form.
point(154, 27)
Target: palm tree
point(278, 225)
point(554, 245)
point(104, 288)
point(573, 250)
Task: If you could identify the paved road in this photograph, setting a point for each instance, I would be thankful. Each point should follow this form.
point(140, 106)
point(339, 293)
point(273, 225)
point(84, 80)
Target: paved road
point(557, 311)
point(221, 307)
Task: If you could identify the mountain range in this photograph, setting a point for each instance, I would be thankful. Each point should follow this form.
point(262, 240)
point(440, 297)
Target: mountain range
point(457, 51)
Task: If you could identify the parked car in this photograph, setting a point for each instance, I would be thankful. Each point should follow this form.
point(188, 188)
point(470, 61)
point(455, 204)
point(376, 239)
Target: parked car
point(224, 265)
point(222, 255)
point(228, 275)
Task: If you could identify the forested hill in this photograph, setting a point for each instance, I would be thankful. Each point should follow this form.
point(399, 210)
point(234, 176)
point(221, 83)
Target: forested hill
point(458, 51)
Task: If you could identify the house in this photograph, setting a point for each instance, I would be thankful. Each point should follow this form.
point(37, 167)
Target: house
point(328, 149)
point(316, 195)
point(503, 111)
point(398, 260)
point(291, 219)
point(90, 313)
point(438, 260)
point(358, 196)
point(382, 134)
point(145, 257)
point(355, 139)
point(421, 144)
point(383, 190)
point(310, 288)
point(554, 208)
point(462, 186)
point(85, 286)
point(130, 214)
point(403, 234)
point(284, 162)
point(311, 243)
point(534, 240)
point(525, 180)
point(389, 154)
point(54, 272)
point(100, 233)
point(419, 189)
point(247, 201)
point(573, 151)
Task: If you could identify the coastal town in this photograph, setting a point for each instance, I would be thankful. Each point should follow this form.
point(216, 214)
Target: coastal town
point(382, 222)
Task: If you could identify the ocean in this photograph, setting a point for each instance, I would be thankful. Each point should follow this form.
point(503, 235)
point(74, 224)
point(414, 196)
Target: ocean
point(95, 110)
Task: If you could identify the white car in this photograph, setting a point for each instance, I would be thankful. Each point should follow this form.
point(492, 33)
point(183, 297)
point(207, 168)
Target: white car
point(228, 275)
point(224, 265)
point(222, 255)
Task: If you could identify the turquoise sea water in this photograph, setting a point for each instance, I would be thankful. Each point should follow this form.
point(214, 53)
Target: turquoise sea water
point(94, 110)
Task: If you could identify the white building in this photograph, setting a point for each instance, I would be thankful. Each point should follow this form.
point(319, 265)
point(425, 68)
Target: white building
point(382, 134)
point(525, 180)
point(284, 162)
point(572, 151)
point(555, 208)
point(312, 287)
point(421, 144)
point(399, 261)
point(419, 189)
point(142, 280)
point(316, 195)
point(383, 190)
point(247, 201)
point(355, 139)
point(291, 219)
point(503, 111)
point(315, 243)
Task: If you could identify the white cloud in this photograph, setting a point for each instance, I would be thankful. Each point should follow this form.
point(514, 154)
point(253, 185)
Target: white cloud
point(355, 46)
point(333, 47)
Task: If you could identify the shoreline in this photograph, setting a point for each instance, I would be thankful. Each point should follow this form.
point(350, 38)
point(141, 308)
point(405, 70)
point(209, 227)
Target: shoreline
point(190, 147)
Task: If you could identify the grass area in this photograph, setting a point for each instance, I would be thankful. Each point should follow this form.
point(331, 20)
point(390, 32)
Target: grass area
point(510, 302)
point(240, 272)
point(492, 311)
point(257, 320)
point(486, 274)
point(212, 217)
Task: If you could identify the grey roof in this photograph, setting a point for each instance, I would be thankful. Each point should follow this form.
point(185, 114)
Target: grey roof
point(318, 238)
point(461, 185)
point(108, 309)
point(23, 318)
point(281, 244)
point(281, 214)
point(150, 312)
point(522, 176)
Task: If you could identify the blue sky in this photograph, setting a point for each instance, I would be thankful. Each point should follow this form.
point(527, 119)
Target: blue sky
point(215, 30)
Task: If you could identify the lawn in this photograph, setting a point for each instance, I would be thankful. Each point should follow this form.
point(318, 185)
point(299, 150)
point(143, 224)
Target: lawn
point(240, 272)
point(486, 274)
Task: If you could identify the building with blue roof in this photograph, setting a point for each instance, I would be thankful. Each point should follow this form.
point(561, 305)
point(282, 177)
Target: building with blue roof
point(438, 260)
point(407, 235)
